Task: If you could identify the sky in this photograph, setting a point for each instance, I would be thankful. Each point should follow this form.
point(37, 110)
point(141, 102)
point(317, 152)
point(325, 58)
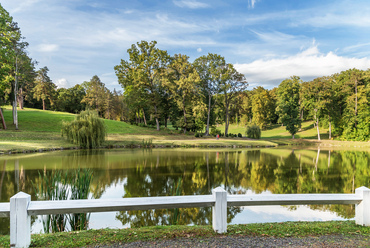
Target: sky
point(266, 40)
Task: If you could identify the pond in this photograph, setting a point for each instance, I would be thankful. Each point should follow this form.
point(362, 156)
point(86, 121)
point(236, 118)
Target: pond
point(121, 173)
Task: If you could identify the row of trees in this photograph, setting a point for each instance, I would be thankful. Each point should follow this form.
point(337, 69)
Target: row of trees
point(340, 102)
point(170, 87)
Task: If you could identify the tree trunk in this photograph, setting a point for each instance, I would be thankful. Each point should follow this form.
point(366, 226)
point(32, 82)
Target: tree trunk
point(184, 119)
point(15, 115)
point(329, 127)
point(156, 118)
point(317, 127)
point(209, 114)
point(43, 104)
point(2, 119)
point(356, 103)
point(144, 117)
point(20, 98)
point(226, 115)
point(293, 136)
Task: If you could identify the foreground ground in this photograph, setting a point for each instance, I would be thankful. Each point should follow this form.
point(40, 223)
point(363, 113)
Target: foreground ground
point(286, 234)
point(40, 130)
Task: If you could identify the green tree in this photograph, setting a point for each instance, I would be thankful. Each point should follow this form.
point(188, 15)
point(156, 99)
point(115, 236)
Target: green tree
point(70, 100)
point(288, 104)
point(144, 71)
point(262, 107)
point(231, 85)
point(183, 82)
point(209, 69)
point(44, 87)
point(96, 94)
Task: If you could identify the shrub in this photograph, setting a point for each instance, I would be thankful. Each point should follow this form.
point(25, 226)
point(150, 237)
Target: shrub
point(215, 131)
point(240, 135)
point(196, 135)
point(86, 130)
point(253, 132)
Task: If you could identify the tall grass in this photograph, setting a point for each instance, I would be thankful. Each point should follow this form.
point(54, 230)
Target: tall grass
point(176, 192)
point(55, 185)
point(52, 186)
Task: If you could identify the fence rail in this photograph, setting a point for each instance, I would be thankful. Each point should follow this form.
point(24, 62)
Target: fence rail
point(21, 207)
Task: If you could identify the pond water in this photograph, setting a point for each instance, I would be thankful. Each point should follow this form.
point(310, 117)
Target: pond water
point(121, 173)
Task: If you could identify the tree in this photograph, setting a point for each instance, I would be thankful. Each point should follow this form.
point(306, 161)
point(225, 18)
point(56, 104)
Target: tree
point(144, 72)
point(96, 94)
point(70, 100)
point(44, 87)
point(209, 69)
point(183, 82)
point(231, 85)
point(288, 104)
point(262, 107)
point(12, 56)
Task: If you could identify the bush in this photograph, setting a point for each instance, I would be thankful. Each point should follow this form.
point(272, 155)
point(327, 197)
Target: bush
point(240, 135)
point(215, 131)
point(253, 132)
point(86, 130)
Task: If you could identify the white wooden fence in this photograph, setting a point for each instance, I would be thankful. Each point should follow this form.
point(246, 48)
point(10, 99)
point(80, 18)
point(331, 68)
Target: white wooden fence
point(21, 207)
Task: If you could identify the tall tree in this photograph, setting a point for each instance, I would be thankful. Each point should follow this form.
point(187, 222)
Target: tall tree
point(44, 87)
point(209, 69)
point(183, 82)
point(144, 71)
point(288, 104)
point(96, 94)
point(262, 107)
point(231, 85)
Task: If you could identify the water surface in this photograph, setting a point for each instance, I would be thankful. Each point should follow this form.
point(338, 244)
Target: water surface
point(160, 172)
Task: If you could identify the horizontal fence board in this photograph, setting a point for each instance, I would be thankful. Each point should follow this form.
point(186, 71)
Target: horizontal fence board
point(124, 204)
point(5, 209)
point(292, 199)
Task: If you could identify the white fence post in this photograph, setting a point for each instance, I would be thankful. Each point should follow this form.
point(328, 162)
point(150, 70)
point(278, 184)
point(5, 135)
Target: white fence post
point(363, 208)
point(20, 221)
point(219, 211)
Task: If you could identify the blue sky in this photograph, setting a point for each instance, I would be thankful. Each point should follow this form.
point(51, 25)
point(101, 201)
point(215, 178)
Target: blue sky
point(267, 40)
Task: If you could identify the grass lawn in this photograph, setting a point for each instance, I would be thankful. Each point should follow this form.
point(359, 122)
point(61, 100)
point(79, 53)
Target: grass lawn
point(40, 129)
point(106, 237)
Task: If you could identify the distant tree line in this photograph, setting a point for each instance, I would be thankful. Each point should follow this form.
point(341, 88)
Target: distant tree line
point(193, 96)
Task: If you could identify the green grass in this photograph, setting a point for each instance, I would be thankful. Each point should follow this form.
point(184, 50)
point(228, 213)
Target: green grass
point(279, 132)
point(158, 233)
point(40, 129)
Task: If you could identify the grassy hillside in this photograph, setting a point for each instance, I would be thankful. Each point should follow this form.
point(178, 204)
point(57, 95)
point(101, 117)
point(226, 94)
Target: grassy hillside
point(40, 129)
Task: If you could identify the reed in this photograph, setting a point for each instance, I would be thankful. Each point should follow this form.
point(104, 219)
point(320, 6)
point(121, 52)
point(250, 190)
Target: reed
point(55, 185)
point(176, 192)
point(80, 188)
point(52, 186)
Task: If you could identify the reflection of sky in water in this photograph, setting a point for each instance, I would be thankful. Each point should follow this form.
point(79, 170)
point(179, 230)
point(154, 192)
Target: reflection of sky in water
point(250, 214)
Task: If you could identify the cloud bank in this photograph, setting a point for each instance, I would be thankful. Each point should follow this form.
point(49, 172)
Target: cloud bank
point(308, 64)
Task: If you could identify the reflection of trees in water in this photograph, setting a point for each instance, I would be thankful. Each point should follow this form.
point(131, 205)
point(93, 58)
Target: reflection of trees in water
point(155, 172)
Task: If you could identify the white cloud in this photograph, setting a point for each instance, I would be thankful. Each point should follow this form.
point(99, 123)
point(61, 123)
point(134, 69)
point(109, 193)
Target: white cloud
point(199, 50)
point(63, 83)
point(308, 65)
point(251, 3)
point(190, 4)
point(47, 48)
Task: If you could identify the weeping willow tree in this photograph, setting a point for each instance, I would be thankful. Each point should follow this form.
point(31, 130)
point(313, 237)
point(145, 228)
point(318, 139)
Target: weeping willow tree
point(86, 130)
